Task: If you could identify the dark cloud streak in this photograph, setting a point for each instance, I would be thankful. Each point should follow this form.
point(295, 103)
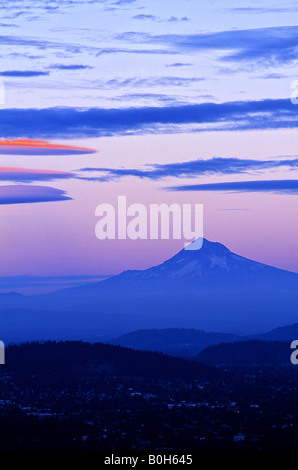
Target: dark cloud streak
point(81, 122)
point(271, 45)
point(267, 186)
point(194, 168)
point(23, 73)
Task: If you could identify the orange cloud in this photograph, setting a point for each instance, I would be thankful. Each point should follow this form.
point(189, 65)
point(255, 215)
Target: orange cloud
point(39, 147)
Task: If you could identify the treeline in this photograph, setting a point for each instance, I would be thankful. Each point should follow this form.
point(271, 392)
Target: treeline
point(78, 357)
point(247, 353)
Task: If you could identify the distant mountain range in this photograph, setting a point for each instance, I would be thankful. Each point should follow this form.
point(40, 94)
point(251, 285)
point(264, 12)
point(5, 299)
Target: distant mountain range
point(173, 341)
point(189, 342)
point(211, 289)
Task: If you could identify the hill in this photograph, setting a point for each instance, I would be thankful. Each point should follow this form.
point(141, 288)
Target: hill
point(247, 353)
point(172, 341)
point(283, 333)
point(80, 358)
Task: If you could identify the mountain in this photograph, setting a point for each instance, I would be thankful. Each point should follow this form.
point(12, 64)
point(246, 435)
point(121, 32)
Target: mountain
point(173, 341)
point(211, 289)
point(247, 353)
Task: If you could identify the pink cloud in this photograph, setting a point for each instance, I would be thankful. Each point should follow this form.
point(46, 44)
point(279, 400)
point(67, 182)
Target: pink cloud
point(23, 175)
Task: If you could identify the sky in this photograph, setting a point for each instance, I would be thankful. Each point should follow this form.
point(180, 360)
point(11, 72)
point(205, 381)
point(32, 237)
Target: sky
point(163, 102)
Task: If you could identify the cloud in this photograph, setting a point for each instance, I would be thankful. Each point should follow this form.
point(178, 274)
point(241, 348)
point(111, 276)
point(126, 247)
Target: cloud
point(70, 67)
point(153, 81)
point(115, 5)
point(126, 50)
point(40, 147)
point(27, 281)
point(15, 15)
point(272, 45)
point(193, 168)
point(273, 76)
point(22, 73)
point(88, 122)
point(267, 186)
point(5, 25)
point(23, 55)
point(52, 6)
point(145, 17)
point(261, 10)
point(171, 19)
point(165, 99)
point(26, 175)
point(22, 41)
point(22, 194)
point(180, 64)
point(41, 44)
point(123, 2)
point(175, 19)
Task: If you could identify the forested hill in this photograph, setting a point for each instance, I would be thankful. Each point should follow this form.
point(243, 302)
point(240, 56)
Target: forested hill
point(247, 353)
point(76, 357)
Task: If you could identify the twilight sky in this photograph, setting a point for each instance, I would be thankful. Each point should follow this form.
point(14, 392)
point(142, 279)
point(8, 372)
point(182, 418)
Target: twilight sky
point(175, 101)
